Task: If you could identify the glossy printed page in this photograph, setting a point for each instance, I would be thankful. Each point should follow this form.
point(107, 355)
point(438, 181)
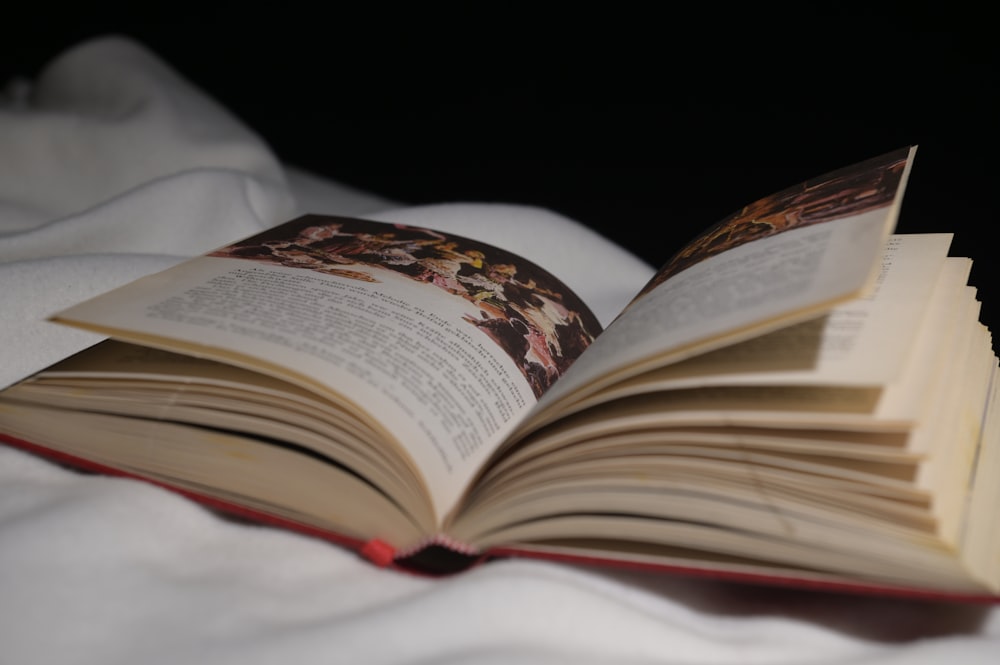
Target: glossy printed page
point(442, 342)
point(785, 259)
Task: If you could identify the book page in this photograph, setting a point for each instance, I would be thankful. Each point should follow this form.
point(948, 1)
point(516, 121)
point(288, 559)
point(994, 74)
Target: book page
point(863, 342)
point(937, 346)
point(441, 342)
point(783, 260)
point(145, 384)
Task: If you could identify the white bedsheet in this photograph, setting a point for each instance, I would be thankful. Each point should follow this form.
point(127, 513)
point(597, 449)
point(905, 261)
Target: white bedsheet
point(113, 166)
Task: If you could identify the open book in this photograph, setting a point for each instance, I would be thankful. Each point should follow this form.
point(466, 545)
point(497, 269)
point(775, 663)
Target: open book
point(799, 396)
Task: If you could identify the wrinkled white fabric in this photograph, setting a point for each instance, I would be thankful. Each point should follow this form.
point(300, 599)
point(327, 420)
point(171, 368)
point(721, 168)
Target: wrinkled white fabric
point(112, 166)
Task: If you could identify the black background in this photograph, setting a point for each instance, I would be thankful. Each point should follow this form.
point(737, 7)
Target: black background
point(646, 126)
